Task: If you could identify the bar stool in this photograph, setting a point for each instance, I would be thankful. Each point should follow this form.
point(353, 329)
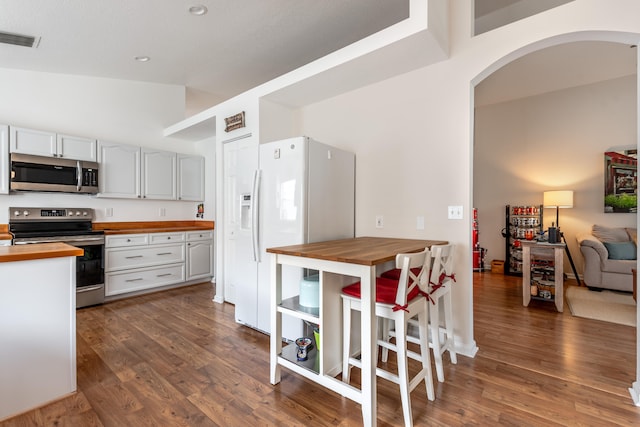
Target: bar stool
point(441, 337)
point(440, 283)
point(396, 300)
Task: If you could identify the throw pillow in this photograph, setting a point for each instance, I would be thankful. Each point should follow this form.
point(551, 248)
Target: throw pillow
point(609, 234)
point(633, 233)
point(621, 250)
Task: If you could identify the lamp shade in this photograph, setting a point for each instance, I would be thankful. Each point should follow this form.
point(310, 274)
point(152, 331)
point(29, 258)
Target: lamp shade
point(558, 199)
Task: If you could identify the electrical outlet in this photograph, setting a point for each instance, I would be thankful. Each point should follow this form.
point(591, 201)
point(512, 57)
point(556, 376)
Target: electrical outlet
point(454, 212)
point(420, 222)
point(162, 212)
point(108, 212)
point(379, 221)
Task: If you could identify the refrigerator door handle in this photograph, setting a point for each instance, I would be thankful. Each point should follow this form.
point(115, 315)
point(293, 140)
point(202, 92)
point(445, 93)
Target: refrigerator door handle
point(255, 216)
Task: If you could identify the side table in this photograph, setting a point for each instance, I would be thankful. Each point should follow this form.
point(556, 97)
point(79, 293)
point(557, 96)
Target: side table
point(544, 251)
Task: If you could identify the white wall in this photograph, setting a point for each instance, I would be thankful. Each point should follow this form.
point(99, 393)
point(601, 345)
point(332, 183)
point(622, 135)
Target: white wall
point(412, 134)
point(114, 110)
point(551, 141)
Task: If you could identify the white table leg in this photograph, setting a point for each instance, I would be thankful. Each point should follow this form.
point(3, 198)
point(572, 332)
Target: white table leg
point(369, 346)
point(276, 318)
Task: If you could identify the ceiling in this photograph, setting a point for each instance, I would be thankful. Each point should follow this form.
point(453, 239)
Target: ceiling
point(555, 68)
point(235, 46)
point(238, 45)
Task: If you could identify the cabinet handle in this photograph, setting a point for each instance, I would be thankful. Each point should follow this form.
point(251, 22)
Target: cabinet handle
point(134, 256)
point(165, 253)
point(134, 280)
point(163, 275)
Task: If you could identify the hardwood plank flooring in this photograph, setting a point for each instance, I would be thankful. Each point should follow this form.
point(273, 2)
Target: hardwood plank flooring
point(175, 358)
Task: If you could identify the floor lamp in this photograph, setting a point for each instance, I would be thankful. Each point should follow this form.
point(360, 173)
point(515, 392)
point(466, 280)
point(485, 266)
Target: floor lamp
point(561, 199)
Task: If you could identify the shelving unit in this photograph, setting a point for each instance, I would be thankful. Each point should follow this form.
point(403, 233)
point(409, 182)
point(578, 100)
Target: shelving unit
point(326, 362)
point(521, 222)
point(543, 275)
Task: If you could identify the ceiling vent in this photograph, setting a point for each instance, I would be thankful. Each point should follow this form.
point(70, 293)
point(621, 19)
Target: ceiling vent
point(19, 40)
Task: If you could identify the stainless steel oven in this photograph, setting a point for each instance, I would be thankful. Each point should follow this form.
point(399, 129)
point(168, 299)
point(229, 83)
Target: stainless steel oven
point(71, 226)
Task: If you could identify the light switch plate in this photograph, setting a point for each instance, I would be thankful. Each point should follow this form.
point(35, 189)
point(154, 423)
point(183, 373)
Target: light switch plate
point(454, 212)
point(420, 222)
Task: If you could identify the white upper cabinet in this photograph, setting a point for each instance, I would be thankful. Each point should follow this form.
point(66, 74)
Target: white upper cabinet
point(4, 159)
point(128, 171)
point(41, 143)
point(29, 141)
point(77, 148)
point(119, 171)
point(158, 174)
point(190, 178)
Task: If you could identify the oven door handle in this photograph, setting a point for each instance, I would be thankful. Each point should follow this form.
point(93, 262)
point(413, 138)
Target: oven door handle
point(89, 288)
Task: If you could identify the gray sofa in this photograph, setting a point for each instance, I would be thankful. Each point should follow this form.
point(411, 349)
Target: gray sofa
point(609, 255)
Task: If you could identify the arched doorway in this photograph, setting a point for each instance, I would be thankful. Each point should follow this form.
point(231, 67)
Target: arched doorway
point(532, 185)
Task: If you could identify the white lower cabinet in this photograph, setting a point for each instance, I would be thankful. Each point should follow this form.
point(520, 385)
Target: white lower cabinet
point(137, 262)
point(121, 282)
point(199, 254)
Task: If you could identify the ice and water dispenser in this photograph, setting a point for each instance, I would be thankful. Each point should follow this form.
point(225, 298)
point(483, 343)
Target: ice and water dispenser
point(245, 212)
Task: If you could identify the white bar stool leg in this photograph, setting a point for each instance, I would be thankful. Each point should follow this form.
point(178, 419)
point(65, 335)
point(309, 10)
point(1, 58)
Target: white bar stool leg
point(425, 353)
point(448, 315)
point(403, 371)
point(434, 326)
point(346, 340)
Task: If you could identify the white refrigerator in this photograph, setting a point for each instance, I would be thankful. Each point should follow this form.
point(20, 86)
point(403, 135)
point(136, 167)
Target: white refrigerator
point(303, 191)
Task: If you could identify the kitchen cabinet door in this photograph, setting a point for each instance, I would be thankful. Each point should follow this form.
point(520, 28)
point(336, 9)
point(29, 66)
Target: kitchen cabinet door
point(158, 175)
point(190, 178)
point(29, 141)
point(199, 255)
point(76, 148)
point(4, 159)
point(119, 172)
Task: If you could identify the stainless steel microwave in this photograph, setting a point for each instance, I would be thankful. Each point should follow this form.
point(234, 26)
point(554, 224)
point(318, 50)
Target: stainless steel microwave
point(39, 173)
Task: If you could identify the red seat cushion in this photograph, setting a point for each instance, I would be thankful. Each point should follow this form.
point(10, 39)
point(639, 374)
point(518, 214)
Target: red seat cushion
point(395, 273)
point(386, 290)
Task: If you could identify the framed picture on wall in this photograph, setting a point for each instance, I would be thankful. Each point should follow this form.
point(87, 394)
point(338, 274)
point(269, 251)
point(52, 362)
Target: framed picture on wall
point(621, 180)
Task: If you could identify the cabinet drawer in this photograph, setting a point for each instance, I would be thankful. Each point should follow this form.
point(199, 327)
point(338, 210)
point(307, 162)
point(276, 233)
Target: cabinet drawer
point(161, 238)
point(146, 278)
point(125, 258)
point(193, 236)
point(126, 240)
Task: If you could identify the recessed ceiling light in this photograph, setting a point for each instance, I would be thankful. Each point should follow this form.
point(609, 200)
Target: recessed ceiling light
point(142, 58)
point(198, 10)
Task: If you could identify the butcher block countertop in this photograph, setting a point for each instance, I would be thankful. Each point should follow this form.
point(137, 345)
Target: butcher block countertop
point(37, 251)
point(111, 228)
point(359, 250)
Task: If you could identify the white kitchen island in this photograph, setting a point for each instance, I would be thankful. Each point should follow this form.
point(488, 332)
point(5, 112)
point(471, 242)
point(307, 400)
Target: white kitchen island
point(358, 258)
point(37, 325)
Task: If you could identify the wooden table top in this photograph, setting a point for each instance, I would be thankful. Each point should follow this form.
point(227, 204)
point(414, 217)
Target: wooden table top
point(360, 250)
point(38, 251)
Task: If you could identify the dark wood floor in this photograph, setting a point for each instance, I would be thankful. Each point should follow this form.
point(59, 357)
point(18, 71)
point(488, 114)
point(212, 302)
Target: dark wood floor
point(177, 358)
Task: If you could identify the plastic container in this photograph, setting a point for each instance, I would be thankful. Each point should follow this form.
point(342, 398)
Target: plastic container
point(310, 291)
